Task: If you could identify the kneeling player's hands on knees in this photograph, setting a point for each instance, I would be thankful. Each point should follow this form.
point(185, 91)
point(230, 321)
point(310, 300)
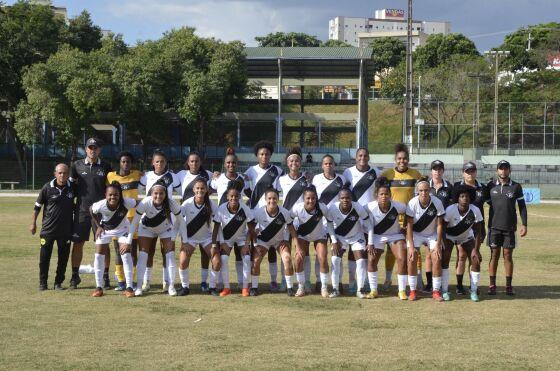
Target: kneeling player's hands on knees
point(335, 248)
point(371, 250)
point(98, 233)
point(123, 249)
point(475, 256)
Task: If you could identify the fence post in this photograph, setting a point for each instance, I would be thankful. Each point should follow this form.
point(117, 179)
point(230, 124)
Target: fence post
point(438, 124)
point(509, 125)
point(544, 127)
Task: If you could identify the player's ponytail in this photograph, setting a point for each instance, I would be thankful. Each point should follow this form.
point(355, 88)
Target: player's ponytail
point(382, 182)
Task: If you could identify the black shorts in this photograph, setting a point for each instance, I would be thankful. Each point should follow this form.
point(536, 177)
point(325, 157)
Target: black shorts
point(499, 238)
point(81, 229)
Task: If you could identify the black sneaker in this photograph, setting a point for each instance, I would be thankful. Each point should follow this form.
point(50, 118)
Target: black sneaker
point(340, 290)
point(58, 287)
point(509, 291)
point(290, 291)
point(460, 290)
point(106, 281)
point(184, 291)
point(75, 281)
point(317, 286)
point(254, 292)
point(212, 291)
point(492, 290)
point(43, 287)
point(427, 289)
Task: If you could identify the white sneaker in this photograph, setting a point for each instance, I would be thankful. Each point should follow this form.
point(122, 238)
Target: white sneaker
point(164, 286)
point(138, 292)
point(334, 294)
point(300, 291)
point(324, 292)
point(360, 294)
point(171, 290)
point(146, 286)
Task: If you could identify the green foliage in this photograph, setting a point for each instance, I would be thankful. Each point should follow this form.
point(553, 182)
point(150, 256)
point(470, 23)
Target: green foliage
point(335, 43)
point(288, 39)
point(545, 39)
point(388, 52)
point(82, 33)
point(439, 48)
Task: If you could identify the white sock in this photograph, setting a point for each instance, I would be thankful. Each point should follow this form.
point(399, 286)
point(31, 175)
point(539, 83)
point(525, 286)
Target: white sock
point(273, 269)
point(99, 269)
point(239, 271)
point(254, 282)
point(246, 270)
point(225, 270)
point(361, 271)
point(184, 275)
point(170, 267)
point(164, 273)
point(402, 281)
point(127, 267)
point(289, 280)
point(341, 270)
point(324, 279)
point(352, 271)
point(372, 278)
point(213, 278)
point(412, 282)
point(445, 280)
point(141, 268)
point(436, 283)
point(307, 268)
point(300, 277)
point(219, 280)
point(203, 275)
point(475, 278)
point(335, 274)
point(317, 268)
point(388, 275)
point(147, 274)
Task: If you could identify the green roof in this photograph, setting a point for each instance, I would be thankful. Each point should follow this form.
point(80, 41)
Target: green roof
point(308, 53)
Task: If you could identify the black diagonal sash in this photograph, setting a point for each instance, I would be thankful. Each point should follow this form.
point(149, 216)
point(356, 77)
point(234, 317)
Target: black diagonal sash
point(331, 191)
point(234, 224)
point(116, 219)
point(272, 228)
point(466, 222)
point(294, 193)
point(166, 179)
point(387, 222)
point(309, 226)
point(403, 183)
point(266, 181)
point(424, 221)
point(240, 184)
point(188, 192)
point(197, 222)
point(347, 224)
point(155, 220)
point(363, 184)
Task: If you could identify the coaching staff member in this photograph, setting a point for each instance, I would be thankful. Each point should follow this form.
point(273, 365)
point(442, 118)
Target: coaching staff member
point(57, 197)
point(89, 175)
point(502, 223)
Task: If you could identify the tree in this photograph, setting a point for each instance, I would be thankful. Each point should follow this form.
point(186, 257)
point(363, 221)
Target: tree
point(545, 38)
point(439, 49)
point(388, 52)
point(83, 34)
point(287, 39)
point(335, 43)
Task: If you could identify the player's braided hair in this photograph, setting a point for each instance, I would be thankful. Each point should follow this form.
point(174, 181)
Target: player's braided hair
point(116, 185)
point(382, 182)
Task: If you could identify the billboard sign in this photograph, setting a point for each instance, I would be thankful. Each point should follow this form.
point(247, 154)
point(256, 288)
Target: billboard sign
point(394, 14)
point(532, 195)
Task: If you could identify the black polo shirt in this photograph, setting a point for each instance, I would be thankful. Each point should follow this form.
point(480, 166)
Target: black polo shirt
point(58, 211)
point(90, 180)
point(444, 193)
point(503, 198)
point(481, 194)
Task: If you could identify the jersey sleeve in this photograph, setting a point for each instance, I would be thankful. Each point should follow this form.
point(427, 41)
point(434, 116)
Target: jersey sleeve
point(217, 217)
point(410, 208)
point(519, 193)
point(41, 198)
point(96, 206)
point(143, 181)
point(250, 215)
point(447, 217)
point(176, 182)
point(174, 206)
point(73, 173)
point(142, 206)
point(214, 183)
point(347, 176)
point(477, 215)
point(289, 219)
point(129, 203)
point(439, 207)
point(401, 208)
point(364, 215)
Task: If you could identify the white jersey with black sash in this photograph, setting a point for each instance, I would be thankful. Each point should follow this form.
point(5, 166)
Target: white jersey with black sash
point(272, 229)
point(168, 178)
point(292, 190)
point(198, 221)
point(187, 180)
point(310, 226)
point(460, 226)
point(261, 180)
point(113, 222)
point(349, 228)
point(362, 183)
point(384, 226)
point(154, 217)
point(233, 225)
point(327, 189)
point(425, 219)
point(222, 183)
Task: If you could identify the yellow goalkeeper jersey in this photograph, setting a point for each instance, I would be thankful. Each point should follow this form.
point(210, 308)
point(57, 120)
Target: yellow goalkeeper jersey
point(129, 185)
point(402, 185)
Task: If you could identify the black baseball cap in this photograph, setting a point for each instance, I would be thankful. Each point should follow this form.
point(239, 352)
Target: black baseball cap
point(469, 166)
point(93, 142)
point(436, 164)
point(503, 163)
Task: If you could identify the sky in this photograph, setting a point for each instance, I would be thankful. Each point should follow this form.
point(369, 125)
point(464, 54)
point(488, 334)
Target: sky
point(486, 22)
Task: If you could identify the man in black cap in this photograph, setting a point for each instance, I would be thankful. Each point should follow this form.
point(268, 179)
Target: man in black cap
point(469, 179)
point(502, 223)
point(57, 198)
point(90, 176)
point(443, 190)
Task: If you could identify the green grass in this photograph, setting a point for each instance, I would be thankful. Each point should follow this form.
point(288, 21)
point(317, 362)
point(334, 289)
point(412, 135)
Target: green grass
point(71, 330)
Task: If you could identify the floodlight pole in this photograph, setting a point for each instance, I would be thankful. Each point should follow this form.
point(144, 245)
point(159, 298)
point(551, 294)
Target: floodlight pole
point(496, 54)
point(409, 102)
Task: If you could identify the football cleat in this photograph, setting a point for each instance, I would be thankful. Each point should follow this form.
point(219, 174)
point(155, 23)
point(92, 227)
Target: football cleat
point(97, 293)
point(436, 295)
point(412, 295)
point(402, 295)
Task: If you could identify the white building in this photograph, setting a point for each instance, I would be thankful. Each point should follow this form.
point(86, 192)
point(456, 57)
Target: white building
point(386, 23)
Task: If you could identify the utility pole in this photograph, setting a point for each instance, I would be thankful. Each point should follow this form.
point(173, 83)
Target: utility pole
point(409, 101)
point(496, 54)
point(477, 76)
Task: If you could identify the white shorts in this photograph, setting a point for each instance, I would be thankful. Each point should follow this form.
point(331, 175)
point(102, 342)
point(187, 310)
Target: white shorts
point(355, 243)
point(272, 244)
point(430, 241)
point(107, 236)
point(231, 243)
point(379, 241)
point(194, 242)
point(320, 234)
point(164, 230)
point(458, 240)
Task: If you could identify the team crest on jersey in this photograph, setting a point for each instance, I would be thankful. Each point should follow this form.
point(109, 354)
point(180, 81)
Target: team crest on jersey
point(391, 217)
point(430, 212)
point(469, 220)
point(69, 195)
point(402, 182)
point(279, 221)
point(302, 183)
point(101, 173)
point(479, 194)
point(239, 218)
point(443, 194)
point(509, 194)
point(370, 176)
point(353, 218)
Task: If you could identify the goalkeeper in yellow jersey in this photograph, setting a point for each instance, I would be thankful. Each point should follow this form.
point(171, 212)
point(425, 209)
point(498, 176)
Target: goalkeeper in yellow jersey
point(129, 180)
point(402, 181)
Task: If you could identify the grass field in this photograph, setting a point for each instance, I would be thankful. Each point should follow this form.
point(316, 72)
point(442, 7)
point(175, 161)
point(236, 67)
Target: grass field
point(71, 330)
